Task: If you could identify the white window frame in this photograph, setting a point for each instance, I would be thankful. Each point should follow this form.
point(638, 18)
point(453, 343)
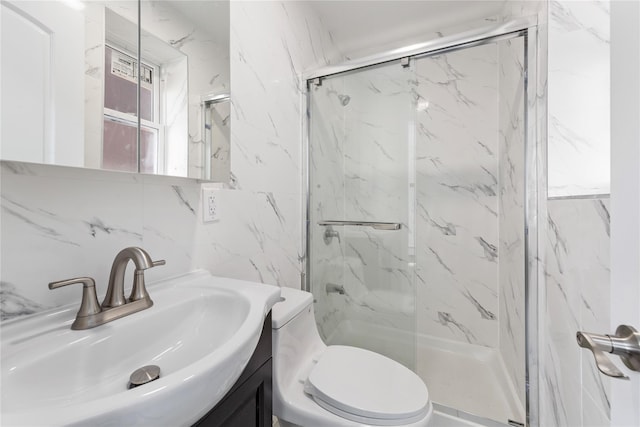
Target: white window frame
point(156, 124)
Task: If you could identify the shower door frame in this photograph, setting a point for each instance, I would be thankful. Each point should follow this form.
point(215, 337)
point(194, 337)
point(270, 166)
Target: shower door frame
point(535, 166)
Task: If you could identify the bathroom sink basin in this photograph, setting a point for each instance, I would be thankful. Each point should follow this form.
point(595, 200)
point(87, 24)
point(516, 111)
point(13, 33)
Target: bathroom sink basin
point(201, 332)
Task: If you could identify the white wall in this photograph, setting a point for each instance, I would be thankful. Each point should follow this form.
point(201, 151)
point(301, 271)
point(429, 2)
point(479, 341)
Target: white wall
point(625, 194)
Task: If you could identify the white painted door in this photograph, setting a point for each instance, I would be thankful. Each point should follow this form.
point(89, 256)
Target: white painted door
point(625, 195)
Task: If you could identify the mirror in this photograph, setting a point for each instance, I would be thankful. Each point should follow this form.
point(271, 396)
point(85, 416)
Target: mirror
point(70, 85)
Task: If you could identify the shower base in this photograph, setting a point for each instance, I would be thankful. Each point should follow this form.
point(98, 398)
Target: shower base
point(465, 381)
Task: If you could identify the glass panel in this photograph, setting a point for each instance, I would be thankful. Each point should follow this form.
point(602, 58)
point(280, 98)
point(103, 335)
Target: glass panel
point(119, 147)
point(470, 228)
point(438, 147)
point(361, 169)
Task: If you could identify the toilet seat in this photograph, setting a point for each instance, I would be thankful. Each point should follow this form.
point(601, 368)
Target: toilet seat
point(366, 387)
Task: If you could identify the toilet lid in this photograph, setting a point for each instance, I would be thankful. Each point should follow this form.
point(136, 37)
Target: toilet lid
point(356, 383)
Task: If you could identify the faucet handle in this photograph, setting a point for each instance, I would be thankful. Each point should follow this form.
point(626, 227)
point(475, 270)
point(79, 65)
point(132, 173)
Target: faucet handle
point(89, 305)
point(139, 290)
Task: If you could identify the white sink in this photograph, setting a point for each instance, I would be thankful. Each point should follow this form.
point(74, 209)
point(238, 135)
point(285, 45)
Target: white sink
point(201, 332)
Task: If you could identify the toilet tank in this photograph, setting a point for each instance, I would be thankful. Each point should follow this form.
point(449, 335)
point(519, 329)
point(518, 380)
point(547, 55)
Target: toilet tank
point(292, 303)
point(296, 341)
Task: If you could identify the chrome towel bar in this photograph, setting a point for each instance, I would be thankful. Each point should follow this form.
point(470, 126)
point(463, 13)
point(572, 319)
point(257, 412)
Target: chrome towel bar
point(375, 225)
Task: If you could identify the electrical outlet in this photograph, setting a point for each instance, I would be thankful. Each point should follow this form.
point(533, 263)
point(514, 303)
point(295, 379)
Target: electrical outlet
point(210, 211)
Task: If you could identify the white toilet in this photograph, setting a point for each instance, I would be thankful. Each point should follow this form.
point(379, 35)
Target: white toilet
point(315, 385)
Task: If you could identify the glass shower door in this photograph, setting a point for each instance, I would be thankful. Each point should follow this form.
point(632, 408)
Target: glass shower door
point(417, 217)
point(361, 209)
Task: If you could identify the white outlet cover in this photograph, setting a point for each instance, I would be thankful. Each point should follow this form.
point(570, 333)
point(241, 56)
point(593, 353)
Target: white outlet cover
point(210, 211)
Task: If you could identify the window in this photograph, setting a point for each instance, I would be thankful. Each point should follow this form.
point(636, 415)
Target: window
point(119, 143)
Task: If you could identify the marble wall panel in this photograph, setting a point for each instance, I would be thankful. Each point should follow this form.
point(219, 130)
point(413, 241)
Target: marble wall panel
point(272, 43)
point(59, 223)
point(66, 223)
point(257, 238)
point(577, 298)
point(578, 98)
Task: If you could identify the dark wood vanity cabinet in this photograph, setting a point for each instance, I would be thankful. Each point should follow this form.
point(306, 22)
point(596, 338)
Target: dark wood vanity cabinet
point(249, 402)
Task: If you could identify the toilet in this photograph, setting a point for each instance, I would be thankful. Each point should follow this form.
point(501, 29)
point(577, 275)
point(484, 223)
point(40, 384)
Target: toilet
point(315, 385)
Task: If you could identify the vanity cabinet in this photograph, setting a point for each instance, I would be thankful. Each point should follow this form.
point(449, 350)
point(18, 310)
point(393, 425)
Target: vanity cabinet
point(249, 401)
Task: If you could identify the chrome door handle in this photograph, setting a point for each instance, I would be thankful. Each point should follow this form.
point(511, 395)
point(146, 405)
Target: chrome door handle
point(625, 343)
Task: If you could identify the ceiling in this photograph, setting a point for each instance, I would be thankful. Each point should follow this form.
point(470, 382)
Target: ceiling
point(210, 15)
point(361, 26)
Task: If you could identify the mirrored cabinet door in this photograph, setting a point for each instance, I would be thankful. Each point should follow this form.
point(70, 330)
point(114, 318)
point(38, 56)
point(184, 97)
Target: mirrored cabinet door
point(116, 85)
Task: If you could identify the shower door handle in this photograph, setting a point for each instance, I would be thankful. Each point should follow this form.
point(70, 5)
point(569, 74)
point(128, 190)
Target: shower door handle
point(625, 343)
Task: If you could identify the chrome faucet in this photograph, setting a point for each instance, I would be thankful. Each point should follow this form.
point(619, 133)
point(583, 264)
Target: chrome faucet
point(115, 291)
point(114, 306)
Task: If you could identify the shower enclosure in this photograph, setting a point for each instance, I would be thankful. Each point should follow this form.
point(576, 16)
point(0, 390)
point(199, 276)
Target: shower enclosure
point(417, 216)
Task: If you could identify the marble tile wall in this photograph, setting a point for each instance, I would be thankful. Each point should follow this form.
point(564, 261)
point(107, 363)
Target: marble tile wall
point(59, 223)
point(71, 222)
point(578, 98)
point(577, 279)
point(272, 43)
